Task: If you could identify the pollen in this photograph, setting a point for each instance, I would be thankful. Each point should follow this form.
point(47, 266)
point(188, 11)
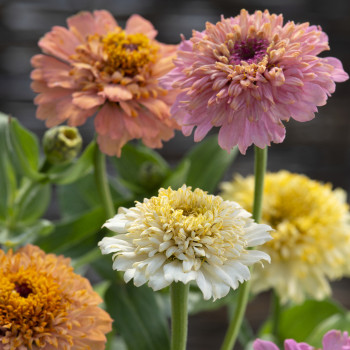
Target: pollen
point(128, 53)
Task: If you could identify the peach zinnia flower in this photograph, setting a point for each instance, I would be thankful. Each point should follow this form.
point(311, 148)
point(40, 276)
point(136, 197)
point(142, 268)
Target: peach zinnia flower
point(96, 66)
point(45, 305)
point(249, 73)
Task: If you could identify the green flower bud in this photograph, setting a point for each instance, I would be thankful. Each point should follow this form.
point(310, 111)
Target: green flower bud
point(62, 144)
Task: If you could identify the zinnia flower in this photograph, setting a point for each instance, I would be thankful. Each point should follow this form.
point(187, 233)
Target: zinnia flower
point(249, 73)
point(185, 236)
point(45, 305)
point(96, 66)
point(333, 340)
point(311, 241)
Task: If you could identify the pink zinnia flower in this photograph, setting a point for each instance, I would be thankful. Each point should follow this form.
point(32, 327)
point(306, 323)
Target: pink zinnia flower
point(333, 340)
point(96, 66)
point(249, 73)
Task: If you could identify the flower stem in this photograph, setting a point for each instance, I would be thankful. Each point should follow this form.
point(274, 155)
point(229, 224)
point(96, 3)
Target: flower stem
point(179, 296)
point(275, 313)
point(243, 292)
point(102, 183)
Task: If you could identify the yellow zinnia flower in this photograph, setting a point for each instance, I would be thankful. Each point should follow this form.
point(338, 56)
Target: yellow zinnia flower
point(311, 241)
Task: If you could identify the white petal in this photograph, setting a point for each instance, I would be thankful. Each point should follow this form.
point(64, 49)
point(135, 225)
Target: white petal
point(155, 263)
point(257, 234)
point(204, 285)
point(157, 280)
point(173, 271)
point(113, 244)
point(117, 223)
point(139, 277)
point(121, 263)
point(250, 257)
point(129, 274)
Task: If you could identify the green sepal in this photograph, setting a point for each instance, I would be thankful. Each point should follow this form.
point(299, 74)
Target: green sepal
point(64, 175)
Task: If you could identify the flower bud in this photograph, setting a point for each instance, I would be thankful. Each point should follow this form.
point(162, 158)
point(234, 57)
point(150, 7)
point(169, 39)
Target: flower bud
point(62, 144)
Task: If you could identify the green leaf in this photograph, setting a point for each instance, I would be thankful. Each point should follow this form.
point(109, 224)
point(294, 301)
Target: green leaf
point(141, 169)
point(137, 317)
point(32, 201)
point(339, 322)
point(298, 322)
point(208, 164)
point(25, 233)
point(82, 196)
point(73, 231)
point(8, 181)
point(178, 177)
point(24, 149)
point(76, 170)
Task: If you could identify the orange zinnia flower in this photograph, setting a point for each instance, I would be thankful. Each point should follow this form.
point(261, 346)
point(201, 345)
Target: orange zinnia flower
point(96, 66)
point(45, 305)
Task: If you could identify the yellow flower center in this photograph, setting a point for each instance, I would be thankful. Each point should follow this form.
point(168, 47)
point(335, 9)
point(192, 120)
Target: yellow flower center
point(128, 53)
point(30, 302)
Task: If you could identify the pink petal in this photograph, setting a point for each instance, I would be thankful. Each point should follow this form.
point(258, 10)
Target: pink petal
point(264, 345)
point(82, 25)
point(112, 147)
point(156, 106)
point(53, 71)
point(110, 121)
point(314, 94)
point(51, 95)
point(133, 126)
point(116, 93)
point(87, 99)
point(47, 112)
point(104, 22)
point(336, 340)
point(60, 42)
point(338, 73)
point(76, 116)
point(202, 130)
point(138, 24)
point(291, 344)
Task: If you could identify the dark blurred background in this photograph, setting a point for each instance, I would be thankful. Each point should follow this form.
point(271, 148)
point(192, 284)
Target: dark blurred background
point(319, 148)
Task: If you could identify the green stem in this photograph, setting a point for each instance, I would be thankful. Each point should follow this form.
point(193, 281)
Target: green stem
point(259, 172)
point(179, 296)
point(243, 292)
point(276, 313)
point(102, 183)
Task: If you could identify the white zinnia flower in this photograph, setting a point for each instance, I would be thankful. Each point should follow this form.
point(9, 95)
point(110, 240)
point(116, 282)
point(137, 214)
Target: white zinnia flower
point(185, 236)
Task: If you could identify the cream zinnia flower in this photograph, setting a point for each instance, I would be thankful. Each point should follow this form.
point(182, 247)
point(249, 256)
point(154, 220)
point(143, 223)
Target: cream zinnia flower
point(311, 242)
point(185, 236)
